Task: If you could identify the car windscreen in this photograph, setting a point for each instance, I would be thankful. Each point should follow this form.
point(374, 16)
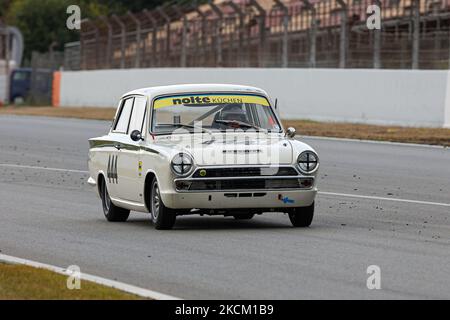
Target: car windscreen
point(213, 112)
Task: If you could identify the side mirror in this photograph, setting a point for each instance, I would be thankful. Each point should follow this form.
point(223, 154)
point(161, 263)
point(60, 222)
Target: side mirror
point(136, 135)
point(290, 132)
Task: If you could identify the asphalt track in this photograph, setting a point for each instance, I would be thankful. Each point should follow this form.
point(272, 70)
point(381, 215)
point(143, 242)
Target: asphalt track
point(52, 216)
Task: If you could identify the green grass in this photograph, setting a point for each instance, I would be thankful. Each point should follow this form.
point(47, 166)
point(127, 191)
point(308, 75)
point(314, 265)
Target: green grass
point(18, 282)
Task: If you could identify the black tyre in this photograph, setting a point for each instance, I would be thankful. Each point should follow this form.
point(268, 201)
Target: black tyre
point(302, 216)
point(112, 212)
point(163, 217)
point(245, 216)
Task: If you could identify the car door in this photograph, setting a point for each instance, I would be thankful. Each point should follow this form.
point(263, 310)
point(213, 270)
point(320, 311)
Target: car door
point(118, 136)
point(129, 165)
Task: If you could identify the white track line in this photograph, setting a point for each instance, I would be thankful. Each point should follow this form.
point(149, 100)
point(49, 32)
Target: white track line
point(7, 165)
point(320, 192)
point(384, 199)
point(87, 277)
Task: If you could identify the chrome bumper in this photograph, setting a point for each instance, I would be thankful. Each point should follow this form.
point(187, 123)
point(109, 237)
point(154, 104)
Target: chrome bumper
point(239, 199)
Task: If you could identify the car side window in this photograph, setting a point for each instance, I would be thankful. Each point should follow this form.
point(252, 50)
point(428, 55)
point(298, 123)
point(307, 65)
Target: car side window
point(266, 119)
point(124, 118)
point(137, 118)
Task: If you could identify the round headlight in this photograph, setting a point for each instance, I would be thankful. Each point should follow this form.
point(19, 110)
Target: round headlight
point(308, 161)
point(182, 164)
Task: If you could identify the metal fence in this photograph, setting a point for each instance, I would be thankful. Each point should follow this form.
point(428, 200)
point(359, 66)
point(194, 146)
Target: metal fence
point(269, 33)
point(42, 67)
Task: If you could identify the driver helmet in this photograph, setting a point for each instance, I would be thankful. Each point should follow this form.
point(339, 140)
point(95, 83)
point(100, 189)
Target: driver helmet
point(233, 112)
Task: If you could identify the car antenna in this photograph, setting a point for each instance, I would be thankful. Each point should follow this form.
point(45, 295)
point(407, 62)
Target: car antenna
point(276, 103)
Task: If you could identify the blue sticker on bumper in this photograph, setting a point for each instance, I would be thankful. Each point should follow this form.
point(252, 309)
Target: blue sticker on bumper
point(286, 200)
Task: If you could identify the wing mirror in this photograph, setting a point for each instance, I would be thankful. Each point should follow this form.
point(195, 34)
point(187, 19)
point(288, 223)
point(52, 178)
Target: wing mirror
point(290, 132)
point(136, 135)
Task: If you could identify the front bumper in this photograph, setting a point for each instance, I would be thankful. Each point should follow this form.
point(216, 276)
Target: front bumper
point(239, 199)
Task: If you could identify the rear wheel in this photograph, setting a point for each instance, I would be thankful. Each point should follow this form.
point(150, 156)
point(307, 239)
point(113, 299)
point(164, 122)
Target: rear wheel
point(245, 216)
point(112, 212)
point(302, 216)
point(163, 217)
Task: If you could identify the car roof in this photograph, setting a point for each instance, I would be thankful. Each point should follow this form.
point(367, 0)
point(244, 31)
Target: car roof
point(193, 88)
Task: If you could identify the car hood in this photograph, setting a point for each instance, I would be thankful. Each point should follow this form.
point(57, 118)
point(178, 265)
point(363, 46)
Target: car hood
point(210, 150)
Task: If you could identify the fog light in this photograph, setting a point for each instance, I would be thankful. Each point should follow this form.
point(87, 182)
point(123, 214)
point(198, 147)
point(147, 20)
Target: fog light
point(306, 183)
point(182, 185)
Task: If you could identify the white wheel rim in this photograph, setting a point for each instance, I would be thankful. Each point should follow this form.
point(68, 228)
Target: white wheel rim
point(156, 201)
point(106, 198)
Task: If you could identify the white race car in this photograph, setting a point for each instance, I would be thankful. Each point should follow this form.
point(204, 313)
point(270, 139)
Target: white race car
point(202, 149)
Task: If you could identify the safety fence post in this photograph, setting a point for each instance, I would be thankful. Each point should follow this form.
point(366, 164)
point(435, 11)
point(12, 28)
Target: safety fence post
point(108, 41)
point(285, 41)
point(377, 42)
point(240, 15)
point(262, 32)
point(312, 33)
point(167, 19)
point(343, 36)
point(149, 16)
point(122, 40)
point(219, 13)
point(137, 61)
point(416, 34)
point(184, 31)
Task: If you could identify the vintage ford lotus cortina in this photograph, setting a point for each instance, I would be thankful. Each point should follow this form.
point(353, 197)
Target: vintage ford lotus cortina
point(202, 149)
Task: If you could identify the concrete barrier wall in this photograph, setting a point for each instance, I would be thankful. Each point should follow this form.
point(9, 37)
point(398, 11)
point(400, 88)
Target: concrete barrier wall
point(447, 104)
point(2, 89)
point(398, 97)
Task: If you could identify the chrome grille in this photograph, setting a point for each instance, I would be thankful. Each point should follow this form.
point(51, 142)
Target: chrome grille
point(244, 184)
point(244, 172)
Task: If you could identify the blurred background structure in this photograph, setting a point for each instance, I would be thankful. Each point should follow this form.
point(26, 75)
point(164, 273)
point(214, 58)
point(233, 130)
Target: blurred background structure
point(11, 50)
point(119, 34)
point(17, 83)
point(238, 33)
point(268, 33)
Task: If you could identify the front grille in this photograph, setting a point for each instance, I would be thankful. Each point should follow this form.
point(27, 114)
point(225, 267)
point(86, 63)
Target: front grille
point(244, 172)
point(248, 184)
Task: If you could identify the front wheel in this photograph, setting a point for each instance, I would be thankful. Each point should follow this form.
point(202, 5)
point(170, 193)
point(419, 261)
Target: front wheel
point(163, 217)
point(112, 212)
point(302, 216)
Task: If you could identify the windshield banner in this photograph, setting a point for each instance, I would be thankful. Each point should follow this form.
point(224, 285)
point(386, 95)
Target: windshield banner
point(206, 99)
